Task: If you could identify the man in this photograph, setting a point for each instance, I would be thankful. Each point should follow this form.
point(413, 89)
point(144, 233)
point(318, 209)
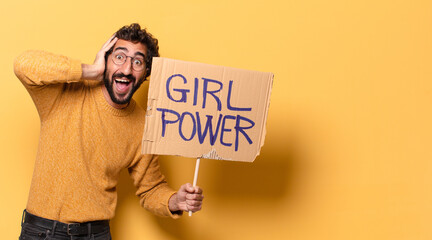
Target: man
point(90, 130)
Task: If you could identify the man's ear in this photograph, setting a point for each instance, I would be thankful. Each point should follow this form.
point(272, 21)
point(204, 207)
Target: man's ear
point(147, 73)
point(143, 79)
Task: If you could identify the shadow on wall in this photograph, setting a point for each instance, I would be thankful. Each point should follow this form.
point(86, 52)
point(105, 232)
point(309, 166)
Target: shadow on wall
point(267, 177)
point(267, 182)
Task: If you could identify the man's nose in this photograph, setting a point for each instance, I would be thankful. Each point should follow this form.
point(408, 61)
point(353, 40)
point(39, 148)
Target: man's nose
point(126, 68)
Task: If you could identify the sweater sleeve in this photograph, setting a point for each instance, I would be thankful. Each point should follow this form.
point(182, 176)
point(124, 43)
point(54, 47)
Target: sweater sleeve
point(43, 74)
point(38, 68)
point(152, 188)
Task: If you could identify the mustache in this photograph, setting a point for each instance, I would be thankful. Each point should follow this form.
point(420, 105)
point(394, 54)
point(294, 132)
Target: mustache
point(121, 75)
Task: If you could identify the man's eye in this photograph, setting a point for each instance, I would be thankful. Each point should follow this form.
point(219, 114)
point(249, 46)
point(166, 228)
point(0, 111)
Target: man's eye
point(119, 57)
point(138, 62)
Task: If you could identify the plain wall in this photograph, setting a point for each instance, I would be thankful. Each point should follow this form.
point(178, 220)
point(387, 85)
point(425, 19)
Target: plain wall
point(347, 153)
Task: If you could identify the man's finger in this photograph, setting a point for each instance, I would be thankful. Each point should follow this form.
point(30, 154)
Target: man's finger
point(110, 44)
point(191, 189)
point(198, 190)
point(193, 203)
point(187, 188)
point(194, 208)
point(198, 197)
point(109, 40)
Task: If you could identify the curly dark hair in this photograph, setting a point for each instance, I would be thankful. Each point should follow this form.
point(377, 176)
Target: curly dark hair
point(135, 34)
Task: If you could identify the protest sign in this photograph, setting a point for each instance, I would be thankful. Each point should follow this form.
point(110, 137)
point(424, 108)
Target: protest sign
point(205, 111)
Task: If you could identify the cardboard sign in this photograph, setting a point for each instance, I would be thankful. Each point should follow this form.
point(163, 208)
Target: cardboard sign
point(206, 111)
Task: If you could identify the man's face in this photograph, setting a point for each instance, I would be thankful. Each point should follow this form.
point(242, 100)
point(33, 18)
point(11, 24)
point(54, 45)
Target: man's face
point(122, 80)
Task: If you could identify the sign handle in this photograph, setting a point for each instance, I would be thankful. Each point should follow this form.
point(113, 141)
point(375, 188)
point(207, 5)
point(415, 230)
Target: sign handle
point(195, 178)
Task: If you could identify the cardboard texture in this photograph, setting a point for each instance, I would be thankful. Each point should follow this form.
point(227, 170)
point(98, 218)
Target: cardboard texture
point(207, 111)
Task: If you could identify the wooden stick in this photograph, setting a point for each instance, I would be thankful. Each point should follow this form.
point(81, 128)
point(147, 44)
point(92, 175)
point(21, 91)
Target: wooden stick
point(195, 178)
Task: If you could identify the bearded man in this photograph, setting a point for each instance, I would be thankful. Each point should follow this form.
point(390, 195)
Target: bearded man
point(91, 129)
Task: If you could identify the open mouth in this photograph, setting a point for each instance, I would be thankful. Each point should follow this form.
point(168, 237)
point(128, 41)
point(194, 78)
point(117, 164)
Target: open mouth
point(122, 85)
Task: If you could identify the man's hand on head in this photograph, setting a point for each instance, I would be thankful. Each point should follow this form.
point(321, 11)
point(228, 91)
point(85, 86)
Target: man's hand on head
point(96, 70)
point(188, 198)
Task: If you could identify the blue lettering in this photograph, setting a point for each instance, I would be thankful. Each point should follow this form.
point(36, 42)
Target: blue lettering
point(196, 92)
point(193, 128)
point(182, 91)
point(241, 130)
point(229, 100)
point(225, 130)
point(206, 91)
point(165, 121)
point(208, 128)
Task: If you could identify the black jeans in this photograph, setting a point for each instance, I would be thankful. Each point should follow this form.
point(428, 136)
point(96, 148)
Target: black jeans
point(33, 232)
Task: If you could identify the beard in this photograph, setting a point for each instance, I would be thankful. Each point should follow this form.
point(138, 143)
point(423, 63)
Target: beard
point(110, 85)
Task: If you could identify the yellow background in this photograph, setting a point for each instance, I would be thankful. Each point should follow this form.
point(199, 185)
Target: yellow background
point(347, 153)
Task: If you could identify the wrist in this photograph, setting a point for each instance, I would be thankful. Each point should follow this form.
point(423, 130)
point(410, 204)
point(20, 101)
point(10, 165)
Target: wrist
point(172, 203)
point(90, 72)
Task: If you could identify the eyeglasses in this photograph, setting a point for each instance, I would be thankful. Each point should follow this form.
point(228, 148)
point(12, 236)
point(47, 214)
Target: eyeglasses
point(119, 58)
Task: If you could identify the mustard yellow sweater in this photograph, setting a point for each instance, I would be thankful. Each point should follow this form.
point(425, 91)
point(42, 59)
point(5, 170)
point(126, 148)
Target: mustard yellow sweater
point(84, 144)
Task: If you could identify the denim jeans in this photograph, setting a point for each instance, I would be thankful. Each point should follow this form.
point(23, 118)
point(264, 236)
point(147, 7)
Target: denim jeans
point(33, 232)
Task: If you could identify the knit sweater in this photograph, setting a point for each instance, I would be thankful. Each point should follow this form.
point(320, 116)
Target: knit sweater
point(84, 144)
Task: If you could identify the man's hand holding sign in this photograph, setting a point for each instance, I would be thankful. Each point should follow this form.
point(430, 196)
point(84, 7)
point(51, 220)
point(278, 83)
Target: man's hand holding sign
point(188, 198)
